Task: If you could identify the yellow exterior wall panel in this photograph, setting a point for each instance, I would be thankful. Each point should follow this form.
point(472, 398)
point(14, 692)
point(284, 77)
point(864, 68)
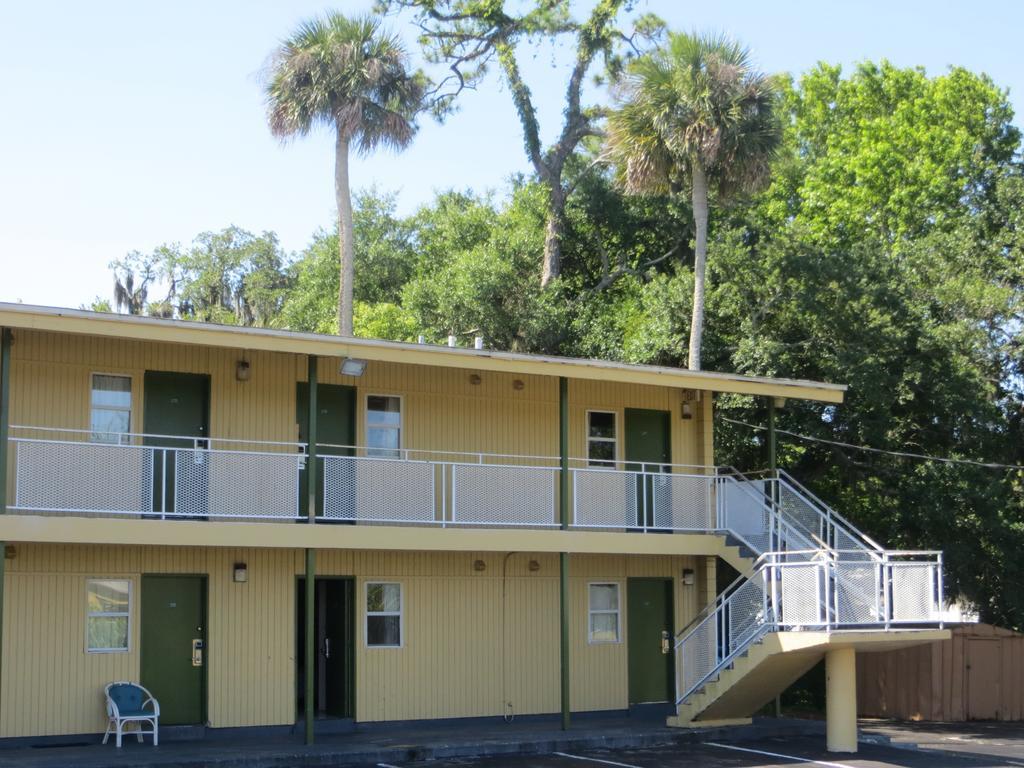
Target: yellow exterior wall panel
point(475, 642)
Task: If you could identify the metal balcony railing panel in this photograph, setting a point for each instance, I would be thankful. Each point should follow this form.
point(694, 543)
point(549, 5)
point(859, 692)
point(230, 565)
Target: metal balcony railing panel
point(82, 478)
point(744, 510)
point(605, 498)
point(127, 476)
point(699, 656)
point(503, 495)
point(858, 595)
point(234, 484)
point(915, 589)
point(378, 490)
point(681, 502)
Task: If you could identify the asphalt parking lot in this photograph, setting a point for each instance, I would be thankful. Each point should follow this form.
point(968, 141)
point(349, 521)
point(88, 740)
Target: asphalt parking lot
point(962, 746)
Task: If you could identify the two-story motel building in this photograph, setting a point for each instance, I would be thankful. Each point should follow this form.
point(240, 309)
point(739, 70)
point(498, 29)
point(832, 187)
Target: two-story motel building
point(271, 528)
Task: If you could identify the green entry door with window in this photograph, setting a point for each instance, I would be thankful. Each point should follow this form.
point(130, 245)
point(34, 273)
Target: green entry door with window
point(176, 414)
point(335, 426)
point(649, 613)
point(173, 638)
point(648, 449)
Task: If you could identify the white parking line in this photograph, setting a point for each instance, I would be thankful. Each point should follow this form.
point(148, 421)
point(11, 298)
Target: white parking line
point(386, 765)
point(596, 760)
point(776, 754)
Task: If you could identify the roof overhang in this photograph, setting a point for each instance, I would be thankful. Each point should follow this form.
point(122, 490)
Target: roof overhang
point(264, 339)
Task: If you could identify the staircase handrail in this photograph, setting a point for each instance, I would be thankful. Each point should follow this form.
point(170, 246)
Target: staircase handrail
point(833, 516)
point(769, 618)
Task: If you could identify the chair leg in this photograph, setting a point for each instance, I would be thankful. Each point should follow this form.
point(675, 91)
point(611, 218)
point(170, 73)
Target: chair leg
point(106, 735)
point(156, 734)
point(119, 732)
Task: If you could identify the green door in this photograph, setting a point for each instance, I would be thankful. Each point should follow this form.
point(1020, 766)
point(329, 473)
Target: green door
point(335, 426)
point(649, 613)
point(174, 653)
point(176, 414)
point(648, 449)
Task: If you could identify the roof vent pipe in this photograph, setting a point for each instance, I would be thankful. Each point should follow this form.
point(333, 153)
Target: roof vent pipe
point(452, 339)
point(421, 339)
point(478, 342)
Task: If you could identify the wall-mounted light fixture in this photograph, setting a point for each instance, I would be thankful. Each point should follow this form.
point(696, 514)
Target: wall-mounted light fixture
point(689, 397)
point(240, 573)
point(689, 577)
point(534, 566)
point(242, 370)
point(351, 366)
point(479, 565)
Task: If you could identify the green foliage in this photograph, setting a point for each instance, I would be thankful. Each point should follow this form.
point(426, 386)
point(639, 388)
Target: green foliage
point(697, 99)
point(346, 74)
point(887, 253)
point(231, 277)
point(384, 261)
point(478, 272)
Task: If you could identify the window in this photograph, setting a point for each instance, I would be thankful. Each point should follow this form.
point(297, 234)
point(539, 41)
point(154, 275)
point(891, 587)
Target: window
point(601, 443)
point(108, 605)
point(604, 613)
point(383, 426)
point(383, 615)
point(110, 416)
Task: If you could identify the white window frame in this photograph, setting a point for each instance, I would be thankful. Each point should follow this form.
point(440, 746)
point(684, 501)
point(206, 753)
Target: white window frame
point(108, 614)
point(613, 440)
point(367, 613)
point(617, 612)
point(124, 438)
point(400, 427)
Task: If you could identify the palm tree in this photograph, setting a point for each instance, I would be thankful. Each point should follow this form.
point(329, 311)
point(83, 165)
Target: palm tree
point(694, 116)
point(344, 74)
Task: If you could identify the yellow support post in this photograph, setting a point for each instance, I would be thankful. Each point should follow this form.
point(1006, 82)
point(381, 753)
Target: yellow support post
point(841, 700)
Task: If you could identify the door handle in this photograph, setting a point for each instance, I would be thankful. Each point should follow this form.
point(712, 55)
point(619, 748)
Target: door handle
point(197, 652)
point(664, 642)
point(327, 647)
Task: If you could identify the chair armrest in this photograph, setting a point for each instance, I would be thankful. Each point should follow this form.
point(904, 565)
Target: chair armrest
point(155, 703)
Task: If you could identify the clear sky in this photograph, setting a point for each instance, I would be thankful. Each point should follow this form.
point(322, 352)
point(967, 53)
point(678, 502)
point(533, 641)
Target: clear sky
point(128, 124)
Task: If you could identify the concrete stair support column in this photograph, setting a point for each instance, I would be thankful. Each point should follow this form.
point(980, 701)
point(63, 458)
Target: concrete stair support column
point(841, 700)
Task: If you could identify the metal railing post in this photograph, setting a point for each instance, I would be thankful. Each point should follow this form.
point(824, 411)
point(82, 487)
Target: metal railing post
point(311, 436)
point(563, 558)
point(6, 340)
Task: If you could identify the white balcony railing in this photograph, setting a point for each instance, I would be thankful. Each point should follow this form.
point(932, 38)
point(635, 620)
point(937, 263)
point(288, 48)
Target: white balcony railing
point(67, 472)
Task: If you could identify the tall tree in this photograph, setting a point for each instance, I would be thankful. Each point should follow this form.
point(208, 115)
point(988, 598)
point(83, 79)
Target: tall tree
point(134, 275)
point(350, 76)
point(697, 116)
point(469, 35)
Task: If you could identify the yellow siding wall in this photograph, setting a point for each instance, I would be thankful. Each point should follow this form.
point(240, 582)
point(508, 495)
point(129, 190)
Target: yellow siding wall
point(442, 409)
point(476, 643)
point(51, 685)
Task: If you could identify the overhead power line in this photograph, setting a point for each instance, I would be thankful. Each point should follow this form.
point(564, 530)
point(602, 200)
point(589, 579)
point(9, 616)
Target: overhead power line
point(869, 449)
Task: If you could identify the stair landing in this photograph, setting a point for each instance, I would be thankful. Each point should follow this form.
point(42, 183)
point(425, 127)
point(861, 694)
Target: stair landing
point(776, 662)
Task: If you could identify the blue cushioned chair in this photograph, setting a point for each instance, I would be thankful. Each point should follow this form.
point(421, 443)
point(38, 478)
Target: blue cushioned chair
point(130, 703)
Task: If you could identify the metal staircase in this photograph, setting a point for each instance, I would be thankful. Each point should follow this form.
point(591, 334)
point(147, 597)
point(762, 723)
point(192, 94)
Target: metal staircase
point(814, 571)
